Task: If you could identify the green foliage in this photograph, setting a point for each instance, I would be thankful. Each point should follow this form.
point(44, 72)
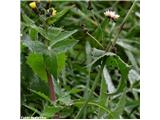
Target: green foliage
point(49, 111)
point(41, 95)
point(57, 66)
point(114, 62)
point(35, 46)
point(36, 62)
point(60, 14)
point(103, 96)
point(94, 61)
point(119, 107)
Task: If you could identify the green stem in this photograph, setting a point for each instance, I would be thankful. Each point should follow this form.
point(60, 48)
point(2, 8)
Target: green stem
point(121, 27)
point(95, 40)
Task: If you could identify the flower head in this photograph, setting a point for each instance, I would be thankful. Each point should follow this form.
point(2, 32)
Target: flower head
point(51, 12)
point(111, 14)
point(33, 5)
point(54, 12)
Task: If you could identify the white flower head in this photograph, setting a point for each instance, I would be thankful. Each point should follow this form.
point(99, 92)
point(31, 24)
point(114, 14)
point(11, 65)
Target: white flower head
point(111, 14)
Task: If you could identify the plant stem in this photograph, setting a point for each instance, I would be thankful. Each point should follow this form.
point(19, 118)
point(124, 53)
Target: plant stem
point(95, 40)
point(52, 92)
point(121, 27)
point(51, 87)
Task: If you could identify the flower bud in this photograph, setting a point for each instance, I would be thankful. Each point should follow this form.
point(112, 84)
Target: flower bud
point(33, 5)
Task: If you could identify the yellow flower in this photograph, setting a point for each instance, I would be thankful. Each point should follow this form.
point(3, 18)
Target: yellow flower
point(54, 12)
point(33, 5)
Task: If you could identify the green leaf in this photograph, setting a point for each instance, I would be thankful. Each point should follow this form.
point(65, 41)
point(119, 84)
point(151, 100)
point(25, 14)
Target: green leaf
point(51, 64)
point(55, 63)
point(61, 61)
point(103, 95)
point(39, 85)
point(99, 32)
point(35, 46)
point(36, 62)
point(89, 95)
point(49, 33)
point(132, 104)
point(114, 61)
point(88, 52)
point(133, 76)
point(42, 95)
point(64, 45)
point(100, 56)
point(62, 36)
point(57, 88)
point(127, 46)
point(32, 108)
point(117, 112)
point(27, 19)
point(66, 100)
point(132, 59)
point(58, 16)
point(33, 34)
point(92, 103)
point(83, 15)
point(97, 52)
point(49, 111)
point(108, 80)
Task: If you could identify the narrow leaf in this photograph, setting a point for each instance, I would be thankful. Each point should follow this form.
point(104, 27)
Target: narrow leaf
point(108, 81)
point(117, 112)
point(115, 62)
point(103, 95)
point(32, 108)
point(42, 95)
point(127, 46)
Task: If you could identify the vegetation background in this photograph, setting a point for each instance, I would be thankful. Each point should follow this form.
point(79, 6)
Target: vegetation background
point(93, 77)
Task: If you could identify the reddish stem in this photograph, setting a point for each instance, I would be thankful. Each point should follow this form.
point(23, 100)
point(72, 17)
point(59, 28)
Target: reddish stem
point(52, 92)
point(51, 87)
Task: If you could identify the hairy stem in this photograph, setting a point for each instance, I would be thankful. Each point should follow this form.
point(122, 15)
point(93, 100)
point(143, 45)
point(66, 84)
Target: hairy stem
point(121, 27)
point(52, 92)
